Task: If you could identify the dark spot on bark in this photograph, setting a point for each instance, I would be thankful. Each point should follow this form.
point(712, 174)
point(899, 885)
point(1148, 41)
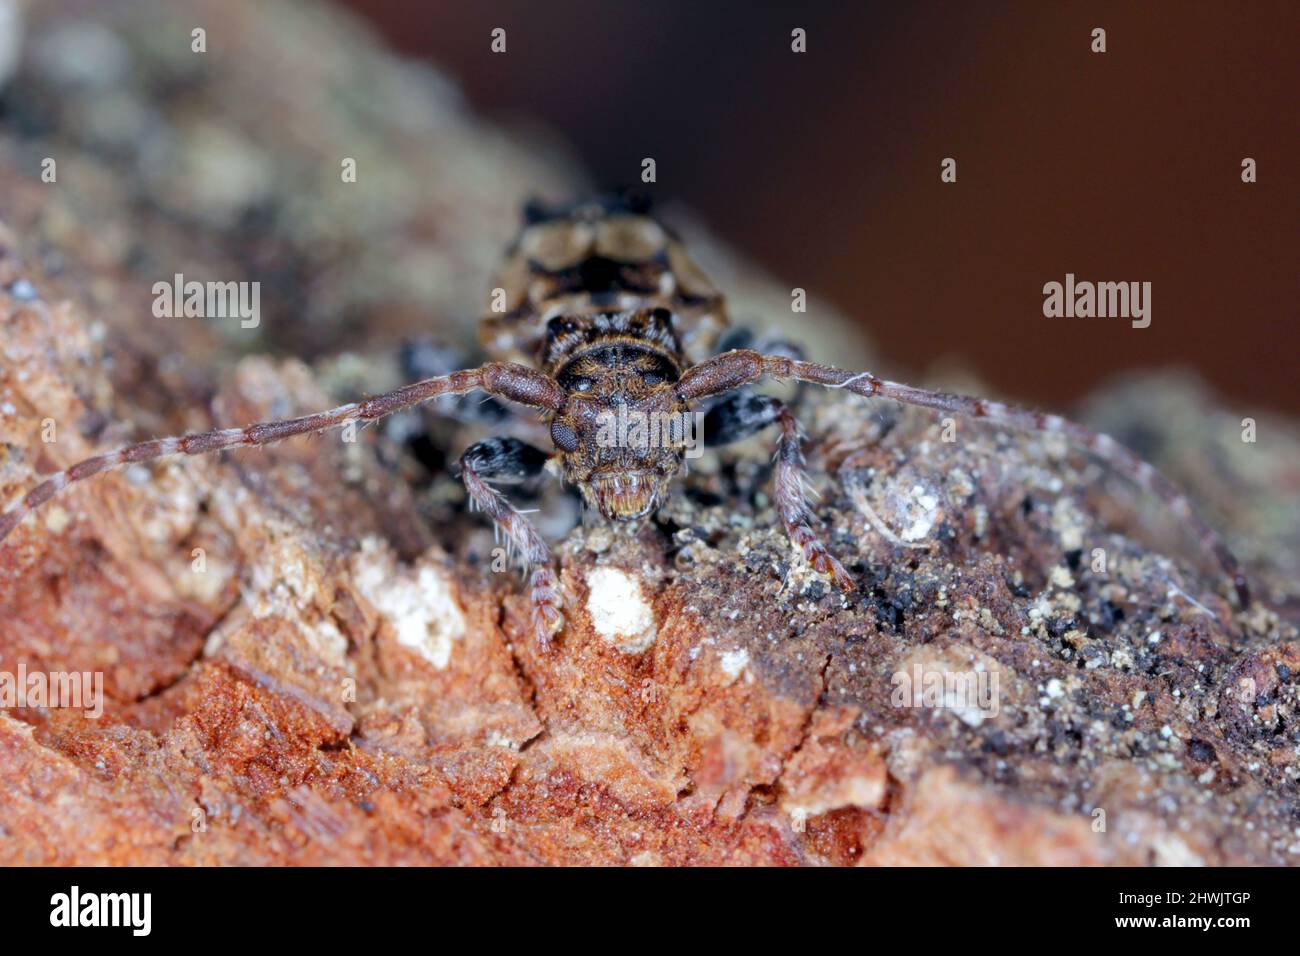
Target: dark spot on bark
point(1111, 613)
point(890, 612)
point(997, 743)
point(1057, 626)
point(1201, 752)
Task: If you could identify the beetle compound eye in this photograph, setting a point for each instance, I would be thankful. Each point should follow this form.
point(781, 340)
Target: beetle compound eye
point(565, 438)
point(652, 378)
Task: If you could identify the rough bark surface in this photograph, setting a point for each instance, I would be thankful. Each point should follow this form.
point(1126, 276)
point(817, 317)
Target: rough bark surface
point(310, 659)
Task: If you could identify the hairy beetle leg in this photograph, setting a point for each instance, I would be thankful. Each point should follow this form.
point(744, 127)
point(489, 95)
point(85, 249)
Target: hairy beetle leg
point(741, 415)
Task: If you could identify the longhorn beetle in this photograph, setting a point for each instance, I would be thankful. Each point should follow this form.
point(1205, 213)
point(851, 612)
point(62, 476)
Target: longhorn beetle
point(605, 311)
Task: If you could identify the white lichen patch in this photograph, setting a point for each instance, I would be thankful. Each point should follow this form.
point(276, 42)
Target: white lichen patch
point(865, 790)
point(282, 576)
point(1068, 523)
point(920, 510)
point(619, 611)
point(1061, 577)
point(56, 518)
point(172, 503)
point(960, 487)
point(734, 662)
point(284, 580)
point(1170, 850)
point(419, 602)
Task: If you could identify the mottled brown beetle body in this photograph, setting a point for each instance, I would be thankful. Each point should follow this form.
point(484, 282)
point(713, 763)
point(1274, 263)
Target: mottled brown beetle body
point(605, 315)
point(599, 257)
point(606, 301)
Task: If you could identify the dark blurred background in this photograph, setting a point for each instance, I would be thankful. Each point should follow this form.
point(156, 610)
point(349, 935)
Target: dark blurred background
point(825, 166)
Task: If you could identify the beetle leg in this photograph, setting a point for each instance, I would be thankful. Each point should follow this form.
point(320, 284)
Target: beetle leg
point(509, 459)
point(744, 414)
